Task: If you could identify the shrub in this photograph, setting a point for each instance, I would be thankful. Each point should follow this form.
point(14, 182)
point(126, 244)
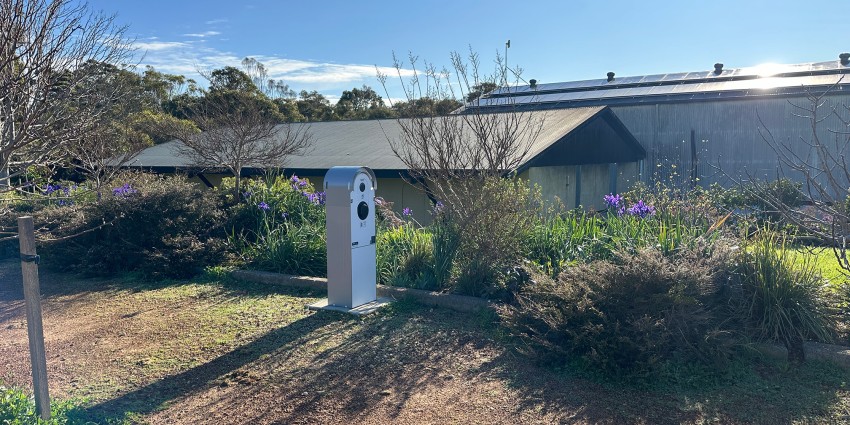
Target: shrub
point(160, 226)
point(486, 241)
point(628, 316)
point(783, 300)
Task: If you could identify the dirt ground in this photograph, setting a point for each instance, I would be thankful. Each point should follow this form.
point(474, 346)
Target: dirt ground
point(212, 352)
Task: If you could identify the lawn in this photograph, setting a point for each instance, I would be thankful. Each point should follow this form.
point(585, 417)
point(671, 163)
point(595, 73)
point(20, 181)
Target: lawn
point(217, 351)
point(825, 261)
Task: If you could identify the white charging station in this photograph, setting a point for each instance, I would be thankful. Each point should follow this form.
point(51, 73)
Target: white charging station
point(352, 266)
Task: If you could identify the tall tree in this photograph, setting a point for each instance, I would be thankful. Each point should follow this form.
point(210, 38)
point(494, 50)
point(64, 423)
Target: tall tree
point(165, 87)
point(426, 106)
point(362, 103)
point(314, 106)
point(230, 78)
point(480, 89)
point(44, 102)
point(274, 89)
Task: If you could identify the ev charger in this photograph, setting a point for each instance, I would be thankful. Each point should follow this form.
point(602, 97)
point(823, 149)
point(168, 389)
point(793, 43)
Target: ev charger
point(350, 210)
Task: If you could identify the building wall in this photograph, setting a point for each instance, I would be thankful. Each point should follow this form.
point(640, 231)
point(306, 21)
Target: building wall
point(727, 136)
point(593, 180)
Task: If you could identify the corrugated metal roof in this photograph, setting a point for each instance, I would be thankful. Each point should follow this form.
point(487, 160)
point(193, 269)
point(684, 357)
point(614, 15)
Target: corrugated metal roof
point(771, 79)
point(368, 143)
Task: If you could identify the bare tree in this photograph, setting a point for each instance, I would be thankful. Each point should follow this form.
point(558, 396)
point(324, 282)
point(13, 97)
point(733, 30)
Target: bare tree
point(819, 162)
point(460, 159)
point(450, 155)
point(44, 105)
point(240, 130)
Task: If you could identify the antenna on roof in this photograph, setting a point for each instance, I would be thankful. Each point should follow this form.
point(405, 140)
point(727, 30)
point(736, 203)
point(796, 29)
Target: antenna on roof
point(505, 71)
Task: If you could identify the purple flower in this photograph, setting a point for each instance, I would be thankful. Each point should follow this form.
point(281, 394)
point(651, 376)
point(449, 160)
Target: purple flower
point(320, 197)
point(247, 194)
point(407, 212)
point(294, 179)
point(438, 208)
point(52, 188)
point(263, 206)
point(641, 210)
point(613, 201)
point(284, 215)
point(124, 191)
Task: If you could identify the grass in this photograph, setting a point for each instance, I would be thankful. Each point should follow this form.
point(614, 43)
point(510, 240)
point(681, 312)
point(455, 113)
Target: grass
point(825, 262)
point(213, 350)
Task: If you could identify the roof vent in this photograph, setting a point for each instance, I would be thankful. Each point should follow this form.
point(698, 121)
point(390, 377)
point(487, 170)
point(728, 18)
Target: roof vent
point(610, 76)
point(718, 68)
point(532, 83)
point(845, 58)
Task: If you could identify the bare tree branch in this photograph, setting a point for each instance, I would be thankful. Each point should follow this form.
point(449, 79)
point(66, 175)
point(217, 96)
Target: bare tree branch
point(43, 104)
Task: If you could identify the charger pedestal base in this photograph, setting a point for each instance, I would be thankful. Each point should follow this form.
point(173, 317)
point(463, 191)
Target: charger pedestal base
point(361, 310)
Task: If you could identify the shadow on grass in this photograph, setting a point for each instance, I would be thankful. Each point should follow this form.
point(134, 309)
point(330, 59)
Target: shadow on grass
point(155, 396)
point(324, 361)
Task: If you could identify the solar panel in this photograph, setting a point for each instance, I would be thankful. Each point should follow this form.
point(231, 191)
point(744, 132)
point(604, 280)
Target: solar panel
point(628, 80)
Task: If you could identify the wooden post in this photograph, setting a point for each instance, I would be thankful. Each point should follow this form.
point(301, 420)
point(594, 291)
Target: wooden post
point(32, 296)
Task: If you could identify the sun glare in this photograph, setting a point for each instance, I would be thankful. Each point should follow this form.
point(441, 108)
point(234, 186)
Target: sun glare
point(766, 69)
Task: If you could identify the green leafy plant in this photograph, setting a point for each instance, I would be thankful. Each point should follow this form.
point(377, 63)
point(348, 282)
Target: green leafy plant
point(17, 408)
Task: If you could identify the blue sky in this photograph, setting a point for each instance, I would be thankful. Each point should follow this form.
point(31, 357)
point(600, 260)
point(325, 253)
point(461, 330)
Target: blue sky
point(331, 46)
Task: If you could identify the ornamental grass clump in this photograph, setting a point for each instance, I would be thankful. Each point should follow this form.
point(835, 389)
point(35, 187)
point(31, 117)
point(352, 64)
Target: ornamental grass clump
point(783, 299)
point(405, 257)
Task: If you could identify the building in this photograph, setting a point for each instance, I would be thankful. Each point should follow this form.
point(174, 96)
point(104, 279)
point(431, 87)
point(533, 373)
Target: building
point(709, 126)
point(579, 155)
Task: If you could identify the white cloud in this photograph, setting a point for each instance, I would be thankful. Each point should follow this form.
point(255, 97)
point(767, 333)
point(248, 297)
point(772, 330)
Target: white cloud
point(202, 34)
point(159, 45)
point(330, 79)
point(217, 21)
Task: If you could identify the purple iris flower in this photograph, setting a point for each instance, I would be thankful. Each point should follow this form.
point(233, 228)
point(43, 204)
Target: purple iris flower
point(641, 210)
point(613, 201)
